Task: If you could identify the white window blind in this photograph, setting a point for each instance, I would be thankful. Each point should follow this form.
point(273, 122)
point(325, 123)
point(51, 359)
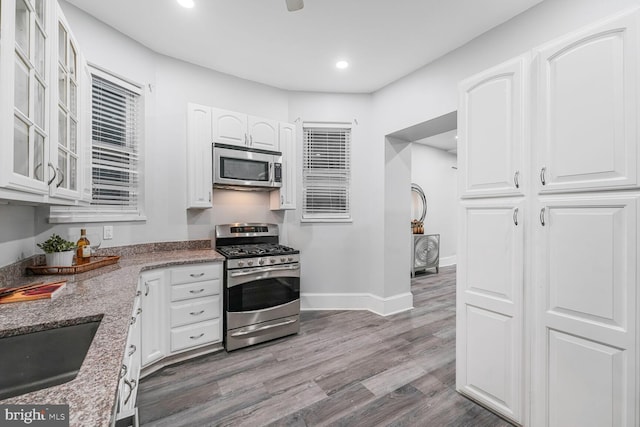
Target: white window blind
point(115, 145)
point(326, 172)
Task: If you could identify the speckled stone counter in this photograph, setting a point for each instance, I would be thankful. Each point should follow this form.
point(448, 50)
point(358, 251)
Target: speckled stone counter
point(106, 293)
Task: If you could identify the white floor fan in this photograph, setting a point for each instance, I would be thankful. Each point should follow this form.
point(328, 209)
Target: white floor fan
point(426, 247)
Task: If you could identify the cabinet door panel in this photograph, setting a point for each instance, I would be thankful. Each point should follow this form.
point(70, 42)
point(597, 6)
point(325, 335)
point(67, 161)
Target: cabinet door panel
point(489, 305)
point(263, 134)
point(285, 197)
point(199, 167)
point(586, 383)
point(154, 317)
point(587, 112)
point(586, 272)
point(491, 126)
point(229, 127)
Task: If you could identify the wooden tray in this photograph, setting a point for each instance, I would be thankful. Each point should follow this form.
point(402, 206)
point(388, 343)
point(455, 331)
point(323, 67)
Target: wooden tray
point(96, 262)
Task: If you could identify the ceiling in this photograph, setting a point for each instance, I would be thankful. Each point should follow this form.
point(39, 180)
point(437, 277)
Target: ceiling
point(447, 141)
point(383, 40)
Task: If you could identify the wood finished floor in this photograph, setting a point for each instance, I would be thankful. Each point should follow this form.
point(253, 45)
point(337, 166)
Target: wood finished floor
point(344, 368)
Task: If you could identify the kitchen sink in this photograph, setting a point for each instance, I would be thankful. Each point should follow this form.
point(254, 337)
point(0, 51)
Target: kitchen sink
point(42, 359)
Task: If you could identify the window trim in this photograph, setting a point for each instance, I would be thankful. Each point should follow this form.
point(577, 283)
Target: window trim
point(319, 218)
point(92, 213)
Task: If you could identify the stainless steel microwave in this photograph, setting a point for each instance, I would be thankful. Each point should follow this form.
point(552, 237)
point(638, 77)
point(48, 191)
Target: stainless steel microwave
point(241, 168)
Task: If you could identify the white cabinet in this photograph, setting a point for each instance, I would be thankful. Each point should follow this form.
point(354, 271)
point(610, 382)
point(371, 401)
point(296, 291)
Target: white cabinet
point(490, 285)
point(182, 310)
point(587, 275)
point(246, 131)
point(155, 316)
point(263, 133)
point(573, 267)
point(41, 105)
point(199, 162)
point(196, 306)
point(130, 373)
point(587, 97)
point(491, 130)
point(285, 197)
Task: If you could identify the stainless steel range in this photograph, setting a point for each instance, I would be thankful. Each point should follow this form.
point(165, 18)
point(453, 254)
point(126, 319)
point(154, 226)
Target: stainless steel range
point(262, 284)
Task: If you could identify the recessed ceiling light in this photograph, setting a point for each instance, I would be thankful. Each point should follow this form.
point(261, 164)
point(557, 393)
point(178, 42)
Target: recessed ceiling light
point(342, 64)
point(186, 3)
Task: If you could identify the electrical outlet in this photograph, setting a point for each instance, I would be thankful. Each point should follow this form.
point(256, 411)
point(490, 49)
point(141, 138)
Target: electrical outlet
point(107, 232)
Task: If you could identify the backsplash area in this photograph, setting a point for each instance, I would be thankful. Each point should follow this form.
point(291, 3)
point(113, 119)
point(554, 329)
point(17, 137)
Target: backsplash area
point(10, 273)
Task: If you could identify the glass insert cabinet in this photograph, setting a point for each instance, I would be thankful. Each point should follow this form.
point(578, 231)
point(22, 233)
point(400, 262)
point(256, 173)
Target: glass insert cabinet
point(43, 81)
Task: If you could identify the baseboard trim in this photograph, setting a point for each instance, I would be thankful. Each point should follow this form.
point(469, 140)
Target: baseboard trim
point(447, 261)
point(357, 301)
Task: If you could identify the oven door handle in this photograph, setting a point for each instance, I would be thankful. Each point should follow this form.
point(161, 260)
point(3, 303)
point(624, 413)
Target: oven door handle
point(264, 270)
point(262, 328)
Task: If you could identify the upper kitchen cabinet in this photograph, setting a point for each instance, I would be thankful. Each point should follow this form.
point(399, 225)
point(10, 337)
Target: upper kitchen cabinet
point(285, 197)
point(25, 91)
point(199, 162)
point(587, 94)
point(40, 92)
point(245, 131)
point(491, 130)
point(66, 154)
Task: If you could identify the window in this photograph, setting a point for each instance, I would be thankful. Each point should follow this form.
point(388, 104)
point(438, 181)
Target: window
point(114, 145)
point(326, 172)
point(116, 123)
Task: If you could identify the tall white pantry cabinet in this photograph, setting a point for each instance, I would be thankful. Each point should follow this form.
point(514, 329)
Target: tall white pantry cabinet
point(547, 294)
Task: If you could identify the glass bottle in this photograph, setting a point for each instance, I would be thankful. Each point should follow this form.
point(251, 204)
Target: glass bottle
point(83, 252)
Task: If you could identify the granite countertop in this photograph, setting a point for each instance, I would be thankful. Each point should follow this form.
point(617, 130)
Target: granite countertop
point(106, 293)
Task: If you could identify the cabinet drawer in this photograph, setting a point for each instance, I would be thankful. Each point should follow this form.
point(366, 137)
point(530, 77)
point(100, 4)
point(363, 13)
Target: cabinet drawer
point(196, 272)
point(195, 290)
point(196, 334)
point(185, 313)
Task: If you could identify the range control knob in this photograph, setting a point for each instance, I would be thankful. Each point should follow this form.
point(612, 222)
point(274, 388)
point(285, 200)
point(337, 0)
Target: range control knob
point(283, 259)
point(249, 263)
point(290, 259)
point(272, 260)
point(240, 263)
point(261, 261)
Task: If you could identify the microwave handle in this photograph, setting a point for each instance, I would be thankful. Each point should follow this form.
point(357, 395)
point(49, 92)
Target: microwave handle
point(272, 178)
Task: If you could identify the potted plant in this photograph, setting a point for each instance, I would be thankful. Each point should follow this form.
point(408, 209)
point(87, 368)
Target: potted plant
point(58, 251)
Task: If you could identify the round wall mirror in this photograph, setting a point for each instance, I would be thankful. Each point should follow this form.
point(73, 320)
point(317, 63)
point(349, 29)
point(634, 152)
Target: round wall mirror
point(418, 203)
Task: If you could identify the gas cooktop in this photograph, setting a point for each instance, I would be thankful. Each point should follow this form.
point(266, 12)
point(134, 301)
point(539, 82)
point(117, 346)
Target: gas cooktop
point(255, 250)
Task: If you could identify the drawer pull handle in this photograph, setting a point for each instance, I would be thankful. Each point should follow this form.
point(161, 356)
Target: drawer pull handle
point(197, 337)
point(263, 328)
point(543, 171)
point(132, 386)
point(133, 320)
point(196, 275)
point(193, 313)
point(196, 291)
point(132, 349)
point(123, 371)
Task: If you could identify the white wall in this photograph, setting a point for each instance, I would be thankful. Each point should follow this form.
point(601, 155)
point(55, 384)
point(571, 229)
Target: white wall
point(335, 257)
point(431, 169)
